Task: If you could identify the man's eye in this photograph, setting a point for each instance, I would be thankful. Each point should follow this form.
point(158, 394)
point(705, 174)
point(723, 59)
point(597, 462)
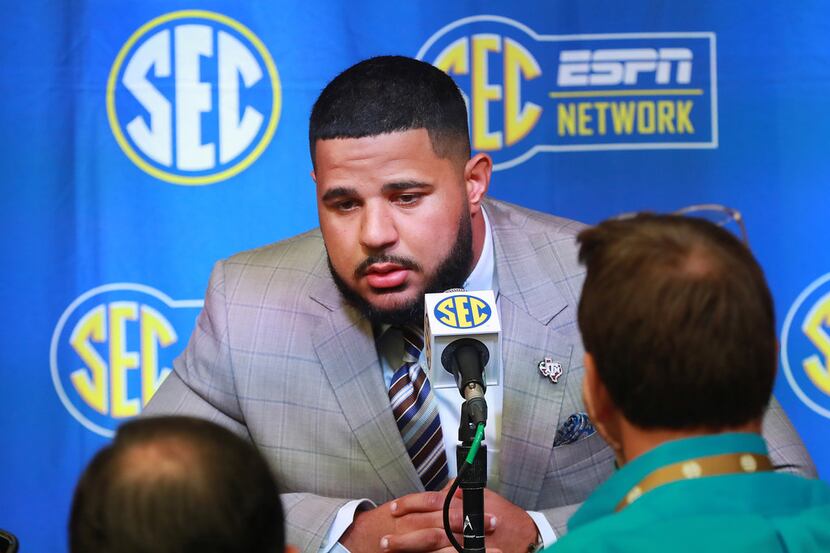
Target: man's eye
point(346, 205)
point(407, 199)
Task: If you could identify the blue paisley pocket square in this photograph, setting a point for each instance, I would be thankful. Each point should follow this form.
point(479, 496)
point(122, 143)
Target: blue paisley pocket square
point(577, 426)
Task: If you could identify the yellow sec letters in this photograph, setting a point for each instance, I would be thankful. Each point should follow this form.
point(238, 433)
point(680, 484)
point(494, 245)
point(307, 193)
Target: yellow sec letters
point(91, 328)
point(156, 331)
point(480, 311)
point(112, 348)
point(805, 346)
point(528, 92)
point(818, 317)
point(446, 313)
point(103, 383)
point(121, 360)
point(474, 55)
point(462, 311)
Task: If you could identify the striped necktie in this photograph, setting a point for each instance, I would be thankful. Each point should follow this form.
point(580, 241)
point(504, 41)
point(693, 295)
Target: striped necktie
point(416, 413)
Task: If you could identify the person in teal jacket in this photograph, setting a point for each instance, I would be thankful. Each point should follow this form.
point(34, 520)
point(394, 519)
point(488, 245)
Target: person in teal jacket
point(679, 333)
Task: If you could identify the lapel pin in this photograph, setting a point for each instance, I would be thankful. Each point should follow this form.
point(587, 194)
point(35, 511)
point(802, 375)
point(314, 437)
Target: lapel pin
point(548, 367)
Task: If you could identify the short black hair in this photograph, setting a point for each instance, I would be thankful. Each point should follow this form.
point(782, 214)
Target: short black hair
point(679, 319)
point(176, 485)
point(389, 94)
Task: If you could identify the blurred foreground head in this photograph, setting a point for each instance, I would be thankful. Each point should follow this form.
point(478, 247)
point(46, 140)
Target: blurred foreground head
point(678, 324)
point(176, 484)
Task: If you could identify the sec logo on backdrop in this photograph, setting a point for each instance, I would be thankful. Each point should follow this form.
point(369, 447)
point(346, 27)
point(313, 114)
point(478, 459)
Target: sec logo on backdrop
point(805, 346)
point(193, 97)
point(528, 92)
point(111, 349)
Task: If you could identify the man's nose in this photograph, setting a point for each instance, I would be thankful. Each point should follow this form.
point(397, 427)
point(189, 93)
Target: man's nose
point(377, 228)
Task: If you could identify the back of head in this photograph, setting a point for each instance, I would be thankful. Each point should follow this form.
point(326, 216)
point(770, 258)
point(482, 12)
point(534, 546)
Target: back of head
point(177, 485)
point(389, 94)
point(679, 320)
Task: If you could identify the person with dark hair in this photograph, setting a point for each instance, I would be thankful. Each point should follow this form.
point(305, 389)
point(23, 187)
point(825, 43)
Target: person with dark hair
point(312, 346)
point(177, 485)
point(680, 360)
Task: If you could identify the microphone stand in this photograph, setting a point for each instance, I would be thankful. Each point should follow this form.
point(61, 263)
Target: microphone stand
point(466, 359)
point(472, 481)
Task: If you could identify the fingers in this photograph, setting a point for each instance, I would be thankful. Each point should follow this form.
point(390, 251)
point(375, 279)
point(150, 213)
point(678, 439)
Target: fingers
point(456, 525)
point(416, 521)
point(425, 539)
point(453, 550)
point(424, 502)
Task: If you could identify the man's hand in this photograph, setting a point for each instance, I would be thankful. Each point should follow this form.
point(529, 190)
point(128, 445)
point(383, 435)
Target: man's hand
point(414, 523)
point(410, 523)
point(514, 529)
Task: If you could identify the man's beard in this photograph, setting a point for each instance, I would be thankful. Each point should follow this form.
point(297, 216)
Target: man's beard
point(451, 273)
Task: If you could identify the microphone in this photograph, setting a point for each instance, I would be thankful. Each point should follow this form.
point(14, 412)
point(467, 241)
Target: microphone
point(465, 359)
point(461, 334)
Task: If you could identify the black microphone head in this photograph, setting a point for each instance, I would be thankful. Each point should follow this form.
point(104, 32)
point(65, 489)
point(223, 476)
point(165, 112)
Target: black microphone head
point(466, 358)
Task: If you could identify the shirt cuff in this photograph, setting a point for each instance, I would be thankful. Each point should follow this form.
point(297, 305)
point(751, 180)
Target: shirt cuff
point(342, 521)
point(544, 528)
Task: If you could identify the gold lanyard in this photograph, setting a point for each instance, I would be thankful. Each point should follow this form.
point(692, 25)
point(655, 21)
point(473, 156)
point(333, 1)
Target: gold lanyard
point(714, 465)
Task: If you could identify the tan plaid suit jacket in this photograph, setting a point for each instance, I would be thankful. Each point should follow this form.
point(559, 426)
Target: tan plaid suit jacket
point(278, 356)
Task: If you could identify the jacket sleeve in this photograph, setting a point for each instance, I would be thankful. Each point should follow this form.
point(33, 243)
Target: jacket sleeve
point(202, 385)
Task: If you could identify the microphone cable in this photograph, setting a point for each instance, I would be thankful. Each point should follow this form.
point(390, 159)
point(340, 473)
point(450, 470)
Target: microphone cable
point(468, 462)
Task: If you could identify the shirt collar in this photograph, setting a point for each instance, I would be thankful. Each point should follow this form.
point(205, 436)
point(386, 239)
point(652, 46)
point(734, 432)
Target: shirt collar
point(483, 275)
point(606, 497)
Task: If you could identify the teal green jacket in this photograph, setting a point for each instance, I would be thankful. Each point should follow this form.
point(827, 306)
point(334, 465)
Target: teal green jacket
point(759, 512)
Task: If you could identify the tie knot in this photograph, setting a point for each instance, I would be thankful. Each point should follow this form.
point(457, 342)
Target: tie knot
point(413, 340)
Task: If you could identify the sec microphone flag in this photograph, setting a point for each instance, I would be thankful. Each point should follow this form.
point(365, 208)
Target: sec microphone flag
point(449, 316)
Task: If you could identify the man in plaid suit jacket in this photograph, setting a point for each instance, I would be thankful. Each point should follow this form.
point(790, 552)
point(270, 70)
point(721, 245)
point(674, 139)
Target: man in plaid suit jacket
point(285, 353)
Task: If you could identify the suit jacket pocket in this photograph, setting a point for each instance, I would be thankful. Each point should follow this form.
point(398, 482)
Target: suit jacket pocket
point(575, 470)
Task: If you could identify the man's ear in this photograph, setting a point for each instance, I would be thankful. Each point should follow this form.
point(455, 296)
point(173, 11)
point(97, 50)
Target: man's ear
point(313, 176)
point(477, 174)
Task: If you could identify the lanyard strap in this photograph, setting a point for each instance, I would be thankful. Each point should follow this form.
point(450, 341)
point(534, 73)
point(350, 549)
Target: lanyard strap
point(714, 465)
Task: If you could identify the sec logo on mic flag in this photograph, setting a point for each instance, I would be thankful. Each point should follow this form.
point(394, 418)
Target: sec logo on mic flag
point(463, 311)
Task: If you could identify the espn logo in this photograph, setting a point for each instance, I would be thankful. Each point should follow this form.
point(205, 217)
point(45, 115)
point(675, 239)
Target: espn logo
point(614, 67)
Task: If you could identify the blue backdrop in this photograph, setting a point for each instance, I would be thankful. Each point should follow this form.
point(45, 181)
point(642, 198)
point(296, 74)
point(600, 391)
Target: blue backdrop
point(142, 141)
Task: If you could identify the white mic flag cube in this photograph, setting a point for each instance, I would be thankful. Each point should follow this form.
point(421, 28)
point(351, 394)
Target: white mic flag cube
point(449, 316)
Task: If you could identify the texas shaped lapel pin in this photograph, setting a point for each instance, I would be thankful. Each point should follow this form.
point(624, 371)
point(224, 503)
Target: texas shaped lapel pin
point(548, 367)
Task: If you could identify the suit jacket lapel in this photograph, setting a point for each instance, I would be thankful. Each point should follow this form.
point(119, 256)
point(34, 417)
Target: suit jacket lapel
point(528, 304)
point(345, 346)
